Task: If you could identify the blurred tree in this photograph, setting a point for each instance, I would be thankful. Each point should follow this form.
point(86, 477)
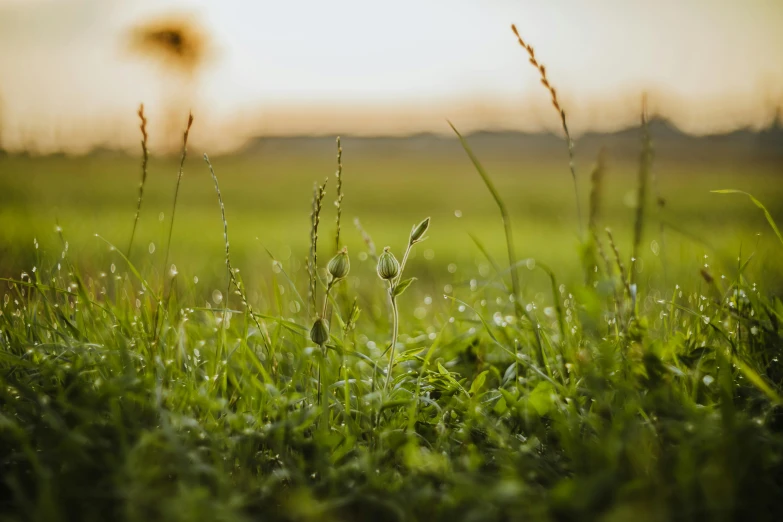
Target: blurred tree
point(179, 47)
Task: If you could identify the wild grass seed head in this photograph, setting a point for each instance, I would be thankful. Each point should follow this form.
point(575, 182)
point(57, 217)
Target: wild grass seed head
point(319, 191)
point(339, 201)
point(560, 111)
point(144, 161)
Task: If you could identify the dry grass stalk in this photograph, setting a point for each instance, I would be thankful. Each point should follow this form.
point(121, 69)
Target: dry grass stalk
point(144, 160)
point(560, 111)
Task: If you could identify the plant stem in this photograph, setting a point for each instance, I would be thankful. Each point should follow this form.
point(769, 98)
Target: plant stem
point(395, 314)
point(326, 298)
point(402, 265)
point(323, 347)
point(395, 327)
point(320, 363)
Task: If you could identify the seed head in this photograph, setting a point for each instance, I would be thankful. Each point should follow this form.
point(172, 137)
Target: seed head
point(319, 333)
point(419, 231)
point(339, 265)
point(388, 266)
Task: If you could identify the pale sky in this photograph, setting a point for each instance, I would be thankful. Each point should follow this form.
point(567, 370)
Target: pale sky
point(67, 78)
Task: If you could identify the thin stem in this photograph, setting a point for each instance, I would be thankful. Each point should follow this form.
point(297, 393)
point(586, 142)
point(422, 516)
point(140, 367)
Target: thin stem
point(320, 363)
point(395, 313)
point(323, 347)
point(171, 226)
point(572, 167)
point(233, 278)
point(402, 265)
point(326, 298)
point(395, 326)
point(144, 160)
point(641, 196)
point(339, 201)
point(176, 190)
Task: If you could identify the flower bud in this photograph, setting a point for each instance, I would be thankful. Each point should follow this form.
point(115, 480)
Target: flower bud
point(388, 266)
point(339, 265)
point(319, 333)
point(419, 230)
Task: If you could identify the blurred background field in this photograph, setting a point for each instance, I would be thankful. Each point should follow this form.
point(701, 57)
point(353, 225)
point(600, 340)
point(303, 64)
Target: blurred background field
point(390, 183)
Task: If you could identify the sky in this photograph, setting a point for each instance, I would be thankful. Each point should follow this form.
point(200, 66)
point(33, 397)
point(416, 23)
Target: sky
point(70, 80)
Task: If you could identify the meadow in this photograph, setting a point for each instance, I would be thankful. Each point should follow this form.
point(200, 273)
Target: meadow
point(391, 183)
point(230, 365)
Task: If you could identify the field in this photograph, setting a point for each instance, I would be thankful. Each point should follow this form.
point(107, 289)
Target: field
point(607, 387)
point(389, 185)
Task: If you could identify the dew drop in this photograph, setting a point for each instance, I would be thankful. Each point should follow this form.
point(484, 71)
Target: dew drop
point(217, 297)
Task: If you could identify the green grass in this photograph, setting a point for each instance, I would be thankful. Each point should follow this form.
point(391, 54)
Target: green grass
point(127, 395)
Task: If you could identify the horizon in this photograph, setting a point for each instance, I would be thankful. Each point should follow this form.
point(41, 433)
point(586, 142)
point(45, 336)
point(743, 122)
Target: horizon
point(655, 123)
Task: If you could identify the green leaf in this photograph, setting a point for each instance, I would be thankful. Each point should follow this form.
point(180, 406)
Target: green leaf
point(478, 382)
point(500, 406)
point(758, 204)
point(400, 287)
point(541, 398)
point(511, 399)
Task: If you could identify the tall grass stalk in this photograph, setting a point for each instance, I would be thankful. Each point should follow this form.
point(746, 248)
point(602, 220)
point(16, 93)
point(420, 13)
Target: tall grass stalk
point(339, 201)
point(319, 191)
point(592, 247)
point(641, 194)
point(319, 333)
point(233, 278)
point(596, 191)
point(561, 113)
point(176, 190)
point(144, 160)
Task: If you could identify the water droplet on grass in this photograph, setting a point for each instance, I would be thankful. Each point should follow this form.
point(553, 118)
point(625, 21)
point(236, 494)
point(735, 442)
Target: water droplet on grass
point(217, 297)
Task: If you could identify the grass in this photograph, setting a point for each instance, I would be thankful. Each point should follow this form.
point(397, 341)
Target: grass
point(592, 387)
